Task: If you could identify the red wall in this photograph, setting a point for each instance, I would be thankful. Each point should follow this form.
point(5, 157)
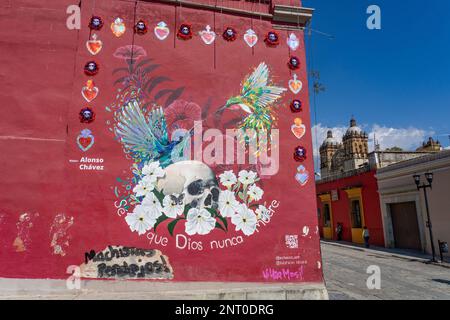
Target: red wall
point(41, 73)
point(341, 208)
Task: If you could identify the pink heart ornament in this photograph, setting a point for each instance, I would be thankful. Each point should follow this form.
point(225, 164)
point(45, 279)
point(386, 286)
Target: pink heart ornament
point(298, 130)
point(161, 30)
point(207, 35)
point(250, 38)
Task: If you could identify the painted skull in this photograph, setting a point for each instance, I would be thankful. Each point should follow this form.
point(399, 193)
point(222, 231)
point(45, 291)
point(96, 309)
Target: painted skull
point(141, 28)
point(272, 37)
point(96, 23)
point(87, 115)
point(195, 180)
point(296, 106)
point(185, 30)
point(300, 154)
point(230, 32)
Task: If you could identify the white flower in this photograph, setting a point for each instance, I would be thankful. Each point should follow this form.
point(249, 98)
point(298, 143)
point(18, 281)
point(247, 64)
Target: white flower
point(262, 213)
point(199, 222)
point(228, 178)
point(247, 177)
point(228, 205)
point(152, 206)
point(144, 187)
point(245, 220)
point(172, 208)
point(153, 171)
point(255, 193)
point(139, 220)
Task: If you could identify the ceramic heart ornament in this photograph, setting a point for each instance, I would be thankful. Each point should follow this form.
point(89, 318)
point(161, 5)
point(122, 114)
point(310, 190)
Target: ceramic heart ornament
point(302, 175)
point(85, 140)
point(94, 45)
point(161, 30)
point(298, 128)
point(293, 42)
point(207, 35)
point(250, 38)
point(295, 85)
point(118, 27)
point(90, 91)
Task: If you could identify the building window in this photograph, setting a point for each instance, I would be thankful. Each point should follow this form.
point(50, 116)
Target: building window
point(326, 215)
point(356, 214)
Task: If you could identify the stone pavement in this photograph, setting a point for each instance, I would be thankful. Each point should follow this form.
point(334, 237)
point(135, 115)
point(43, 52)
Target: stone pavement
point(404, 275)
point(11, 289)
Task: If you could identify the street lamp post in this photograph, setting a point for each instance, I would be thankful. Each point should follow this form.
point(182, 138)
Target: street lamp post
point(425, 186)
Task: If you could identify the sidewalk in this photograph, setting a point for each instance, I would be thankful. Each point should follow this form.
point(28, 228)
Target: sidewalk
point(406, 254)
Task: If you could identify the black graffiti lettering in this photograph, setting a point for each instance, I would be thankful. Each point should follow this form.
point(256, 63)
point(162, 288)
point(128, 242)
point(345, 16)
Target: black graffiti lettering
point(126, 252)
point(89, 256)
point(150, 253)
point(101, 270)
point(114, 253)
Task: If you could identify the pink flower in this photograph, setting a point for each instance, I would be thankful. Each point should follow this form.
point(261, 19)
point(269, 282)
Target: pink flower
point(182, 114)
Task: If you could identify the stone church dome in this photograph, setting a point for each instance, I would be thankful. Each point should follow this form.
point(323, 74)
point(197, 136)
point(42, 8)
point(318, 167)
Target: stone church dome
point(330, 140)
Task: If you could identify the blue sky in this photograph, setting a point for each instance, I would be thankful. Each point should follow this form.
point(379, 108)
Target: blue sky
point(395, 81)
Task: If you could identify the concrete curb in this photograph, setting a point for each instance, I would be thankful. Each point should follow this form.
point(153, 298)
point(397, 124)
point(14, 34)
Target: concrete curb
point(12, 289)
point(386, 253)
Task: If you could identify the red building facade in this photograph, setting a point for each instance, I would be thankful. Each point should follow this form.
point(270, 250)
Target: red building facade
point(90, 114)
point(351, 200)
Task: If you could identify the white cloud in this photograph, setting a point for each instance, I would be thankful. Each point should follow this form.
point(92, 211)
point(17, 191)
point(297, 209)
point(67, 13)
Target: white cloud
point(406, 138)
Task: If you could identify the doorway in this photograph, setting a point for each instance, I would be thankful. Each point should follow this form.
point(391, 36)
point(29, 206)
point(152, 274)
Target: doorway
point(405, 225)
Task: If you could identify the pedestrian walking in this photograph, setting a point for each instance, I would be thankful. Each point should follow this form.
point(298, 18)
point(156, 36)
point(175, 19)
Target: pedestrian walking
point(339, 231)
point(366, 236)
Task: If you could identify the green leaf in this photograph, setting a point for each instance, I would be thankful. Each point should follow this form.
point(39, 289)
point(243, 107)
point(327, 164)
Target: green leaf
point(172, 225)
point(159, 195)
point(186, 210)
point(159, 221)
point(212, 211)
point(219, 226)
point(224, 221)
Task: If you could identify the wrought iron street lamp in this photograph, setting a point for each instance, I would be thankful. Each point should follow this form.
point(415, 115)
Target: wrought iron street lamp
point(425, 186)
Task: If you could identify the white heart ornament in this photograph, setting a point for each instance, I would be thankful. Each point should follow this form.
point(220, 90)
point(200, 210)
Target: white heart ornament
point(250, 38)
point(161, 30)
point(207, 35)
point(293, 42)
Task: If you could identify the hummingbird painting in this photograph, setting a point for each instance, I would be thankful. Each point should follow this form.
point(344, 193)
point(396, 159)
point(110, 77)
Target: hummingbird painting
point(256, 100)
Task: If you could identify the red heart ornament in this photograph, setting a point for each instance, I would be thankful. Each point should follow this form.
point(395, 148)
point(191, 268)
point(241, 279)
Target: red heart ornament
point(85, 140)
point(94, 46)
point(89, 92)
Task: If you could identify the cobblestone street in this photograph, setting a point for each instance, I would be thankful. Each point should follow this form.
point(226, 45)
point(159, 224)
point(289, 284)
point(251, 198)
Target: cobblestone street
point(402, 276)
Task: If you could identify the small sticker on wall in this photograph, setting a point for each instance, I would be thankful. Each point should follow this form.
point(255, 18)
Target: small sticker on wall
point(85, 140)
point(94, 45)
point(250, 38)
point(295, 85)
point(207, 35)
point(161, 30)
point(140, 27)
point(302, 175)
point(118, 27)
point(298, 128)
